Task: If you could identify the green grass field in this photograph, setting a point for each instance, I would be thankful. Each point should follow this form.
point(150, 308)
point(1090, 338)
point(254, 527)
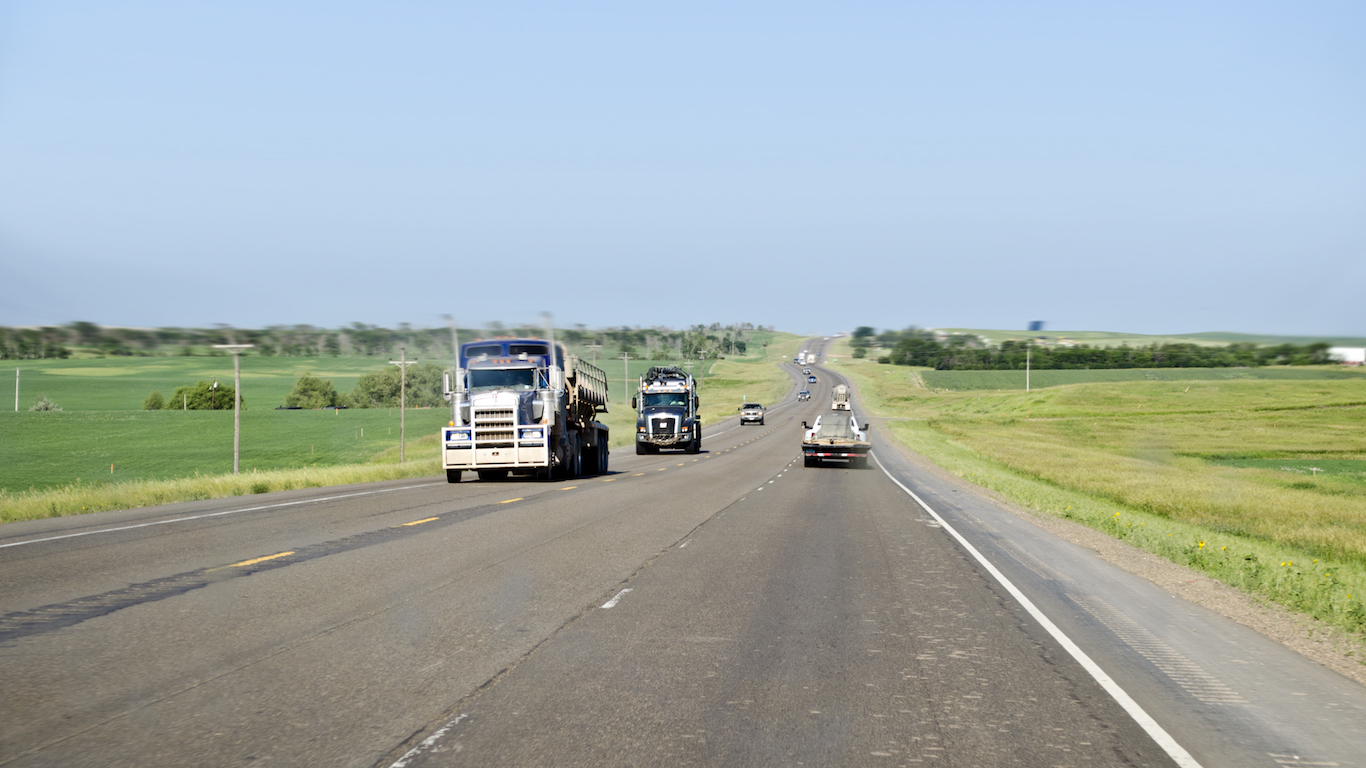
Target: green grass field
point(1113, 339)
point(1212, 473)
point(963, 381)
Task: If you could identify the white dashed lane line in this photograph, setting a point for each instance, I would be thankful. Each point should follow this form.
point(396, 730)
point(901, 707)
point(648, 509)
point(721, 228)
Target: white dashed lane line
point(613, 602)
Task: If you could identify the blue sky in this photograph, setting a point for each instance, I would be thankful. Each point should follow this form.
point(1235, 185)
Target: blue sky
point(1154, 168)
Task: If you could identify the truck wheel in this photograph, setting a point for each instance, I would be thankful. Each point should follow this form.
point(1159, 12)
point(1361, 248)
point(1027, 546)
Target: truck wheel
point(603, 458)
point(575, 468)
point(490, 475)
point(641, 450)
point(452, 475)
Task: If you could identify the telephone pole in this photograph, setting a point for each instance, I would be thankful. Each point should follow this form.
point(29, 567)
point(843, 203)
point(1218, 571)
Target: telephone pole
point(236, 351)
point(402, 363)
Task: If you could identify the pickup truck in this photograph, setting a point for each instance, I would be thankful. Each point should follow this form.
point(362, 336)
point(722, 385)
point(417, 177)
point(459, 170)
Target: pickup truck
point(835, 438)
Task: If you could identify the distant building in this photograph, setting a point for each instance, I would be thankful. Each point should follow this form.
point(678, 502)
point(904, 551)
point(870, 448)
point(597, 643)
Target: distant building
point(1348, 355)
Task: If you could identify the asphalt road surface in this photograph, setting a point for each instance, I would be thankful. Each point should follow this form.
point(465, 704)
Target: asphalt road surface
point(729, 608)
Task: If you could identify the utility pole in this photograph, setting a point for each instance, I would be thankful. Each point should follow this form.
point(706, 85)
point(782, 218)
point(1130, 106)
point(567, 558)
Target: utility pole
point(236, 351)
point(402, 363)
point(1027, 346)
point(626, 374)
point(16, 390)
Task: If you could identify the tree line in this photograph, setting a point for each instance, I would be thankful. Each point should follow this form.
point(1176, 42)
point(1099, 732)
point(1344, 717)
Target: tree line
point(967, 352)
point(359, 339)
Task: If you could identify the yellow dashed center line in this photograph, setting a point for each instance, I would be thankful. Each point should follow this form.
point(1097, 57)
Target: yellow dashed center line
point(254, 561)
point(679, 464)
point(608, 479)
point(638, 474)
point(661, 469)
point(420, 522)
point(569, 487)
point(509, 501)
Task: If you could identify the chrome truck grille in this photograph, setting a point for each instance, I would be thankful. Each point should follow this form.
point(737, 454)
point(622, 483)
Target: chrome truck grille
point(494, 427)
point(663, 426)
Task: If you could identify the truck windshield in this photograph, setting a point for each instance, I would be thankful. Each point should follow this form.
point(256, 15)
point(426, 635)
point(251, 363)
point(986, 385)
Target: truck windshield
point(679, 399)
point(520, 379)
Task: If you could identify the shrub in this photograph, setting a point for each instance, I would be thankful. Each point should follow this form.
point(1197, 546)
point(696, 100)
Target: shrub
point(154, 402)
point(44, 404)
point(203, 396)
point(312, 392)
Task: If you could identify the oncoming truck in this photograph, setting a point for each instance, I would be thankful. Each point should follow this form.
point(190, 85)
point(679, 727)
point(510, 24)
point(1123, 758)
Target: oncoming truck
point(524, 406)
point(666, 417)
point(835, 438)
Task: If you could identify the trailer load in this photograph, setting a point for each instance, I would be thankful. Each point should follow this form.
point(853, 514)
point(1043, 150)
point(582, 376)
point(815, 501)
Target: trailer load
point(836, 438)
point(524, 406)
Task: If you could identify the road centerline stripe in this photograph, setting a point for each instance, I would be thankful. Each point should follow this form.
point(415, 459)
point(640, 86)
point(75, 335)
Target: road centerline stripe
point(509, 501)
point(420, 522)
point(256, 560)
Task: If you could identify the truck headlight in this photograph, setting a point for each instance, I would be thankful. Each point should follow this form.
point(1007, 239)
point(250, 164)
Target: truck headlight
point(533, 434)
point(457, 435)
point(685, 429)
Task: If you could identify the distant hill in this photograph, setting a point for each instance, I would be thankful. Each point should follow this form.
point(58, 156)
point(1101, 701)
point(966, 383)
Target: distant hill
point(1114, 339)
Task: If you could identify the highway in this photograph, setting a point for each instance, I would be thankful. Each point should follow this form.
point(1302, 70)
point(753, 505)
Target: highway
point(728, 608)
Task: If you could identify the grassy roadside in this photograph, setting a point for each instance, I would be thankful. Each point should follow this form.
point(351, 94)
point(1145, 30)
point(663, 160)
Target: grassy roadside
point(80, 498)
point(1211, 474)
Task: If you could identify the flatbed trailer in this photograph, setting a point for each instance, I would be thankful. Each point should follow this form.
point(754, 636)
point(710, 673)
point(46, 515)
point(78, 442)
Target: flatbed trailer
point(836, 438)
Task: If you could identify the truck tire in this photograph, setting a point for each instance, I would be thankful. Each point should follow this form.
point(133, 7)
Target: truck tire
point(452, 475)
point(575, 468)
point(694, 445)
point(641, 450)
point(489, 475)
point(603, 458)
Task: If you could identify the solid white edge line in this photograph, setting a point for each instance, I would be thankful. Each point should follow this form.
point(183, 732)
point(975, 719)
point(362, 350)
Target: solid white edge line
point(216, 514)
point(1158, 734)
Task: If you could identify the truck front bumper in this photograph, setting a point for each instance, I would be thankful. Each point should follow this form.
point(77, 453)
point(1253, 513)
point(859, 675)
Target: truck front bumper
point(469, 456)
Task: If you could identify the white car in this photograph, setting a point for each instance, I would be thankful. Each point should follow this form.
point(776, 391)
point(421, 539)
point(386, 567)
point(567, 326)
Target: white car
point(751, 412)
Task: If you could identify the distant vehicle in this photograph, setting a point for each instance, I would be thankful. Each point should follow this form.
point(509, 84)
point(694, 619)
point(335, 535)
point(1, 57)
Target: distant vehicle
point(797, 360)
point(811, 379)
point(806, 371)
point(810, 358)
point(839, 399)
point(751, 412)
point(805, 394)
point(836, 439)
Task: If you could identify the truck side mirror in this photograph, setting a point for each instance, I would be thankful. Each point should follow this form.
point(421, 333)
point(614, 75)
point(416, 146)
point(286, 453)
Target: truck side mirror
point(446, 383)
point(804, 426)
point(866, 425)
point(633, 403)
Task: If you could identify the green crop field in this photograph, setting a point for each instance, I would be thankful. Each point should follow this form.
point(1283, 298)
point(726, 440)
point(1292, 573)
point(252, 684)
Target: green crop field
point(1113, 339)
point(1257, 480)
point(962, 381)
